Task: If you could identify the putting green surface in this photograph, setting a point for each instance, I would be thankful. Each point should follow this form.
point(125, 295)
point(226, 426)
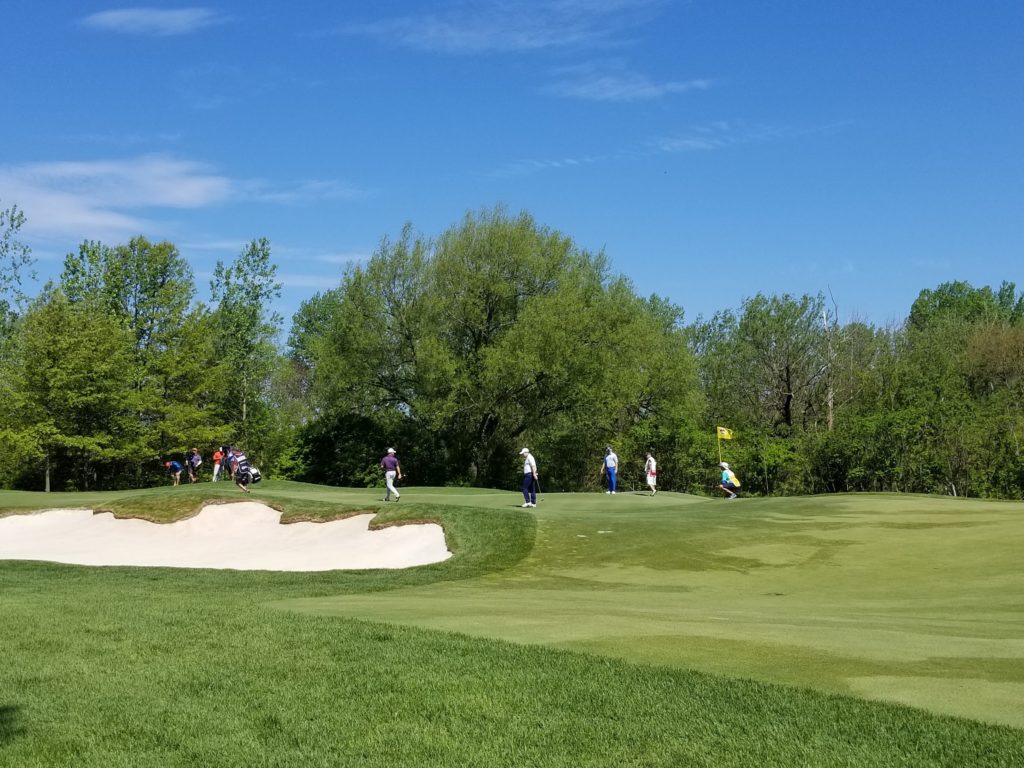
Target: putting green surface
point(908, 599)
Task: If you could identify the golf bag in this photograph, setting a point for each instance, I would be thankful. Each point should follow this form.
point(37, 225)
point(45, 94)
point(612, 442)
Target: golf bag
point(254, 475)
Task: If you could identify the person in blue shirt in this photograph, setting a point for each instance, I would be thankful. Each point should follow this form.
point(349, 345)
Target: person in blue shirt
point(730, 483)
point(175, 469)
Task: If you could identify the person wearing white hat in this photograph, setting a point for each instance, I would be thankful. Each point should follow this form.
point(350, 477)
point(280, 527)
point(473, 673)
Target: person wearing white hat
point(392, 469)
point(530, 476)
point(651, 468)
point(610, 467)
point(730, 483)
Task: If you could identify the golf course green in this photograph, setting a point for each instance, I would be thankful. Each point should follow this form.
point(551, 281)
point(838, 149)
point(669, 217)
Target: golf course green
point(908, 599)
point(592, 630)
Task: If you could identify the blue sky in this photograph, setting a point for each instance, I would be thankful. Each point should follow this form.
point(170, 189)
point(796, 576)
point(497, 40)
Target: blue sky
point(712, 149)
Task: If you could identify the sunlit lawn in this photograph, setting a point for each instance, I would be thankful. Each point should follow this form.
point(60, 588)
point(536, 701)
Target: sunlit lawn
point(901, 599)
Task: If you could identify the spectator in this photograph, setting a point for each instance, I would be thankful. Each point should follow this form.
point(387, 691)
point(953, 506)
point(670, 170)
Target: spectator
point(195, 460)
point(218, 455)
point(175, 469)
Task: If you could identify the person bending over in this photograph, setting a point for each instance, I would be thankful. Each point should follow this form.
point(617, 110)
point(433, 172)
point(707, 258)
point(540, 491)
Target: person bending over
point(730, 483)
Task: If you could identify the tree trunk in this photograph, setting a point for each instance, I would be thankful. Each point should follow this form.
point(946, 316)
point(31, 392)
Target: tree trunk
point(47, 472)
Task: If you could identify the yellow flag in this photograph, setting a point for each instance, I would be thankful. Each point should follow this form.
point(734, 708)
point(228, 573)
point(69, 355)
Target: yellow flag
point(724, 434)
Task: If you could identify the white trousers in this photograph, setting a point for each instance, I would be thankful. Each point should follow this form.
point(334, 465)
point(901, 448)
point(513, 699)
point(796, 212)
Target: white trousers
point(216, 471)
point(389, 481)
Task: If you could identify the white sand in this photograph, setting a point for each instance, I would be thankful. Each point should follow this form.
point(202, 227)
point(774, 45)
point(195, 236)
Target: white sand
point(244, 536)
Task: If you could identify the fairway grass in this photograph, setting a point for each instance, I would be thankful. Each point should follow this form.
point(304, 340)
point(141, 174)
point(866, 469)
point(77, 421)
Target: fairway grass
point(167, 667)
point(910, 599)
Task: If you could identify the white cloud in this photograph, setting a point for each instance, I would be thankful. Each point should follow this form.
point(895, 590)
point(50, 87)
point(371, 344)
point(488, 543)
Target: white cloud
point(614, 83)
point(102, 199)
point(698, 138)
point(110, 199)
point(511, 25)
point(294, 280)
point(729, 133)
point(717, 135)
point(300, 191)
point(153, 21)
point(531, 166)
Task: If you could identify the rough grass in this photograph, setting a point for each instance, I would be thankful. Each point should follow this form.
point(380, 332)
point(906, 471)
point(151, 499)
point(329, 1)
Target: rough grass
point(166, 667)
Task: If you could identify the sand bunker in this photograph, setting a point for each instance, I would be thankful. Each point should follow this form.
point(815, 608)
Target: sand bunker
point(244, 536)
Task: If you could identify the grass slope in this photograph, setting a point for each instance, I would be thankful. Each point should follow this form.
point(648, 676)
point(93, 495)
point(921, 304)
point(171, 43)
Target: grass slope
point(121, 666)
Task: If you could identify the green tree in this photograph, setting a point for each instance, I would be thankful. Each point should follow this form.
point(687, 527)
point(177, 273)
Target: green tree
point(15, 257)
point(149, 290)
point(15, 261)
point(961, 301)
point(501, 332)
point(69, 413)
point(766, 367)
point(245, 332)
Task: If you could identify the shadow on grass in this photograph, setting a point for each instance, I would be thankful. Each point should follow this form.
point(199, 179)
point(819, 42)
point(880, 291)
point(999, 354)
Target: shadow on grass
point(9, 728)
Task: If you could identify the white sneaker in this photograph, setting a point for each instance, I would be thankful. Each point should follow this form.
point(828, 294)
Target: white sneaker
point(533, 505)
point(524, 506)
point(607, 491)
point(613, 493)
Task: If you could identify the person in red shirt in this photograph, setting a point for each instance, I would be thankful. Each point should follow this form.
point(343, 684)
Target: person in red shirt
point(218, 455)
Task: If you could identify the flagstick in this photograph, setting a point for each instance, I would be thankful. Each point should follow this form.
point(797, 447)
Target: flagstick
point(719, 446)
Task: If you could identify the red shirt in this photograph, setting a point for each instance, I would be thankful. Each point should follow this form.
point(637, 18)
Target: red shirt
point(217, 456)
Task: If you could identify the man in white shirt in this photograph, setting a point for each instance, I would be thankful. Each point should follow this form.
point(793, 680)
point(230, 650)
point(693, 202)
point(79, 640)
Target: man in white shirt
point(529, 478)
point(651, 468)
point(611, 468)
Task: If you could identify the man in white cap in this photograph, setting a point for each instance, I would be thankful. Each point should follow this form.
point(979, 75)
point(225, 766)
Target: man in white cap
point(530, 476)
point(651, 468)
point(391, 470)
point(730, 483)
point(610, 467)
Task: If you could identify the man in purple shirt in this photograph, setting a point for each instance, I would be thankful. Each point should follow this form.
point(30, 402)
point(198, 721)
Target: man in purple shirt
point(391, 470)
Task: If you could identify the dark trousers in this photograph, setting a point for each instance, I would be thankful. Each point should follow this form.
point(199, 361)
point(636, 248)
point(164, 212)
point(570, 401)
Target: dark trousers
point(529, 489)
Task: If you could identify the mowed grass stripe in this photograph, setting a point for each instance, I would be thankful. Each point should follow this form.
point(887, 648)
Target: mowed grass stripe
point(120, 666)
point(128, 668)
point(908, 599)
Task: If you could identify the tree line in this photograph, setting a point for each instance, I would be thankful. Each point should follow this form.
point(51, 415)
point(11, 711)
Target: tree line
point(498, 333)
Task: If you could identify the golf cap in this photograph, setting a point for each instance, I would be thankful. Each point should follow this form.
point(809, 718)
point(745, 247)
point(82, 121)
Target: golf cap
point(724, 465)
point(524, 451)
point(391, 450)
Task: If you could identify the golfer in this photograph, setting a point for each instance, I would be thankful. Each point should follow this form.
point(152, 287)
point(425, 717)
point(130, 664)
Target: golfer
point(730, 483)
point(530, 476)
point(651, 468)
point(392, 469)
point(611, 468)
